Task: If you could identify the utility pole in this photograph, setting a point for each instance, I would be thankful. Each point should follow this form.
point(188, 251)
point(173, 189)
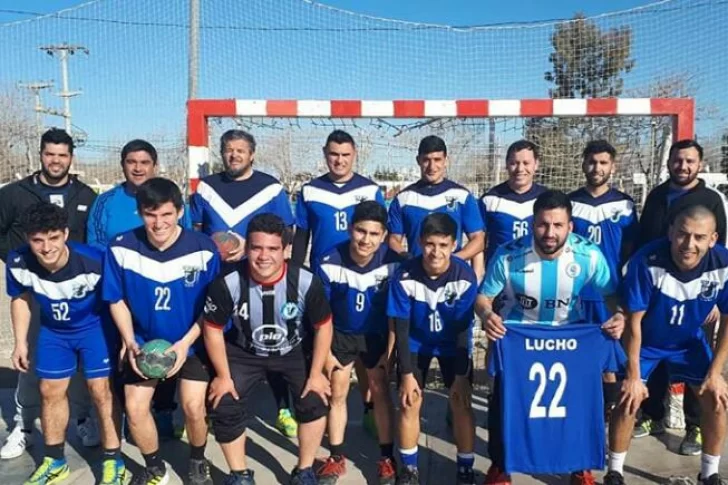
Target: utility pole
point(194, 54)
point(36, 87)
point(63, 51)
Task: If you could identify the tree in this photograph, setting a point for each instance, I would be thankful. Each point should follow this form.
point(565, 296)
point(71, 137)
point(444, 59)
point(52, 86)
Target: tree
point(18, 136)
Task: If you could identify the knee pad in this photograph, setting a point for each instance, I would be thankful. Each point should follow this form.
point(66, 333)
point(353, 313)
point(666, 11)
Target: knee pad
point(310, 408)
point(228, 420)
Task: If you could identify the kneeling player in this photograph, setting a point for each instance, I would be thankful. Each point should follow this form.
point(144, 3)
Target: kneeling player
point(63, 277)
point(669, 289)
point(431, 300)
point(156, 278)
point(272, 311)
point(355, 275)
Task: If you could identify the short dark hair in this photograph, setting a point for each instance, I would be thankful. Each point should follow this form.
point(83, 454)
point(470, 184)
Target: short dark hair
point(519, 145)
point(57, 136)
point(431, 144)
point(44, 217)
point(370, 210)
point(687, 143)
point(439, 224)
point(157, 191)
point(552, 199)
point(693, 211)
point(599, 146)
point(232, 135)
point(269, 223)
point(139, 146)
point(340, 137)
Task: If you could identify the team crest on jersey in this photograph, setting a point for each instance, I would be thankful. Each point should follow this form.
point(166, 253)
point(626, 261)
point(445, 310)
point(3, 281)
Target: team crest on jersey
point(289, 310)
point(450, 297)
point(360, 198)
point(381, 282)
point(616, 214)
point(573, 270)
point(210, 307)
point(80, 291)
point(452, 203)
point(192, 275)
point(708, 290)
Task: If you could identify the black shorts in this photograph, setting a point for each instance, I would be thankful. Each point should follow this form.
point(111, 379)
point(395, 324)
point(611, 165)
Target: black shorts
point(421, 367)
point(195, 368)
point(230, 416)
point(347, 347)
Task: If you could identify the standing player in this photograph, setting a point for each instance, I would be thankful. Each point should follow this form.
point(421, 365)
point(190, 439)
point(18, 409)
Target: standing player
point(540, 278)
point(431, 300)
point(227, 201)
point(669, 289)
point(52, 183)
point(324, 209)
point(155, 279)
point(277, 311)
point(356, 276)
point(63, 278)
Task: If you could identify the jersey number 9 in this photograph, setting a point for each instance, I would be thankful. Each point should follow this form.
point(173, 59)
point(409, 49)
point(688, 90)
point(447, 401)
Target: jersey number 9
point(556, 372)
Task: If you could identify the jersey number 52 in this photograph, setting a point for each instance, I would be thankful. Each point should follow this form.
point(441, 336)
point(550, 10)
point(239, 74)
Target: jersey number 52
point(557, 372)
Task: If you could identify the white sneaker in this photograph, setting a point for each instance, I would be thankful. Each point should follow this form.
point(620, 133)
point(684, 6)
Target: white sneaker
point(88, 431)
point(16, 443)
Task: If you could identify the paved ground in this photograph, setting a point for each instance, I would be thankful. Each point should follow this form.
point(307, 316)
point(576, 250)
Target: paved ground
point(272, 456)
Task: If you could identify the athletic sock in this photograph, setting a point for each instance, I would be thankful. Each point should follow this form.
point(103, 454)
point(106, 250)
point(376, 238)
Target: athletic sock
point(616, 462)
point(197, 452)
point(112, 453)
point(55, 451)
point(708, 465)
point(154, 460)
point(387, 450)
point(409, 456)
point(336, 450)
point(465, 461)
point(368, 406)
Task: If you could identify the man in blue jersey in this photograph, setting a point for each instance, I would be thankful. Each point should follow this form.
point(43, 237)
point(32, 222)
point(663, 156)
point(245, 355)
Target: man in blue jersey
point(434, 192)
point(356, 276)
point(507, 209)
point(538, 279)
point(431, 300)
point(227, 201)
point(669, 289)
point(324, 208)
point(155, 279)
point(63, 278)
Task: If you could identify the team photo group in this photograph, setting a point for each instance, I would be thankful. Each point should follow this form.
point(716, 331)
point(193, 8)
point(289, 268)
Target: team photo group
point(130, 303)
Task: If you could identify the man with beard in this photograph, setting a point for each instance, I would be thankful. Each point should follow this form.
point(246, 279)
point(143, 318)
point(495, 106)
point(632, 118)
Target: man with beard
point(52, 183)
point(541, 277)
point(681, 190)
point(227, 201)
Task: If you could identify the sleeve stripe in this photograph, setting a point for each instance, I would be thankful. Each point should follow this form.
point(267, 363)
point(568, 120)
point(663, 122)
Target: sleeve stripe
point(325, 321)
point(210, 323)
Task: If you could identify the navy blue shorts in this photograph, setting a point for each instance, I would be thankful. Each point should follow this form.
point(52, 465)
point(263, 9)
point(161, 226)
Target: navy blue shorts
point(689, 364)
point(57, 353)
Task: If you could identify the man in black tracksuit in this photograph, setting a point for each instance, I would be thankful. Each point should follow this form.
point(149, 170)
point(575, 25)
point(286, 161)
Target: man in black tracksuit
point(683, 189)
point(52, 183)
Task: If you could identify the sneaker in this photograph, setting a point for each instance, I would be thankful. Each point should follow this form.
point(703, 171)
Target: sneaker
point(165, 424)
point(199, 473)
point(245, 477)
point(369, 424)
point(286, 424)
point(409, 475)
point(50, 471)
point(386, 471)
point(613, 478)
point(113, 472)
point(496, 476)
point(303, 477)
point(648, 427)
point(465, 476)
point(88, 431)
point(16, 443)
point(151, 476)
point(582, 478)
point(692, 444)
point(714, 479)
point(331, 470)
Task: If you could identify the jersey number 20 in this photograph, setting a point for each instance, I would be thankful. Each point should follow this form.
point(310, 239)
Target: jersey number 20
point(538, 372)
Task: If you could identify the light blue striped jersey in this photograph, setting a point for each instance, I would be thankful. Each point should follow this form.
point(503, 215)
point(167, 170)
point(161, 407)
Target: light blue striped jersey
point(535, 290)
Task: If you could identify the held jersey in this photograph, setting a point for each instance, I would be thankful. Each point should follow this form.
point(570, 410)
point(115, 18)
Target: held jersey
point(610, 222)
point(164, 290)
point(70, 298)
point(507, 215)
point(358, 295)
point(437, 309)
point(325, 208)
point(676, 303)
point(535, 290)
point(222, 204)
point(551, 396)
point(420, 199)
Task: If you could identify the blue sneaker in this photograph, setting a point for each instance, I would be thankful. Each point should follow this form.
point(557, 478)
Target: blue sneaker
point(303, 477)
point(50, 471)
point(165, 424)
point(113, 472)
point(245, 477)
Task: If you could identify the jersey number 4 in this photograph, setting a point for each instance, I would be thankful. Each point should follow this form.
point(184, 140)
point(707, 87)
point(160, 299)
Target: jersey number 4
point(556, 372)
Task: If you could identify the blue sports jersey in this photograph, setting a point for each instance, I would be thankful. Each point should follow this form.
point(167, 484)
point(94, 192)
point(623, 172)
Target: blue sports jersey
point(420, 199)
point(507, 215)
point(610, 222)
point(551, 396)
point(358, 295)
point(164, 290)
point(325, 208)
point(68, 299)
point(675, 303)
point(437, 309)
point(535, 290)
point(222, 204)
